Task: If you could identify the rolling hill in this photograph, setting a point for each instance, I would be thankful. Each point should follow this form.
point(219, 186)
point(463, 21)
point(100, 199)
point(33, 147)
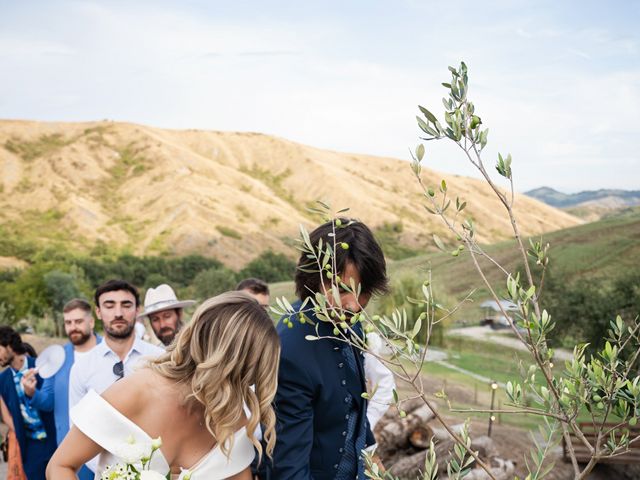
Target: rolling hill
point(230, 195)
point(599, 250)
point(590, 205)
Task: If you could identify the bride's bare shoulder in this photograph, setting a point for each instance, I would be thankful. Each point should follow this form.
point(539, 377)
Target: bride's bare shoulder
point(133, 392)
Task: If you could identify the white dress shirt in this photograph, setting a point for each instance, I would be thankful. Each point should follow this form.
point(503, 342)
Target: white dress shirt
point(377, 375)
point(94, 371)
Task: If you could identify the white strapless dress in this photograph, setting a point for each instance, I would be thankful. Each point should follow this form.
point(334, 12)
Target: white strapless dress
point(110, 429)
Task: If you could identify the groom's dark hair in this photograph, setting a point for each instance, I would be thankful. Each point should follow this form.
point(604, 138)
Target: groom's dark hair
point(363, 252)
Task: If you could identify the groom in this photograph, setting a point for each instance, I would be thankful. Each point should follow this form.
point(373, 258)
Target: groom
point(322, 426)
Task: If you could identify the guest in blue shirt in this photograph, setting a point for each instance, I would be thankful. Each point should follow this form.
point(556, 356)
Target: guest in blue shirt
point(322, 426)
point(34, 428)
point(54, 395)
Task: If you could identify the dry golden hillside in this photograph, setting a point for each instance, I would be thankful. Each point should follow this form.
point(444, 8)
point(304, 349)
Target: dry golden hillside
point(229, 195)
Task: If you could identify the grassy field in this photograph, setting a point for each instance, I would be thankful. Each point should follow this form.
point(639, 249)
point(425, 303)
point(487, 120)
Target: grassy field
point(495, 362)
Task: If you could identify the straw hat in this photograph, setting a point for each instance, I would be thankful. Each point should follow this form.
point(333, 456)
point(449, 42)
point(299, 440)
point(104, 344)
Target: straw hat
point(162, 298)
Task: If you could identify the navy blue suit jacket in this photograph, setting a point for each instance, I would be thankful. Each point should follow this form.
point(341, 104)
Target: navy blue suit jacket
point(10, 397)
point(311, 403)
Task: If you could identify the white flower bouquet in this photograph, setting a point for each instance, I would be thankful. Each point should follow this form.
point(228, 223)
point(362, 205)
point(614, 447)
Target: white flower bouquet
point(136, 461)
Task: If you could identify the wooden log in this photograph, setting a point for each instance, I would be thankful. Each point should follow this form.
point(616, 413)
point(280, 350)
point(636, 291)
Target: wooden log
point(484, 446)
point(500, 469)
point(441, 435)
point(392, 414)
point(421, 436)
point(444, 451)
point(395, 436)
point(410, 466)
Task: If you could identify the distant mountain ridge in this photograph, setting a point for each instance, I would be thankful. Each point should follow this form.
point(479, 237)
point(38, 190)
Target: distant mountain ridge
point(230, 195)
point(607, 197)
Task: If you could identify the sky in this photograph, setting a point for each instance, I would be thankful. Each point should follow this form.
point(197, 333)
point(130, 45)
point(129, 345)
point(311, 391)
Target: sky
point(556, 83)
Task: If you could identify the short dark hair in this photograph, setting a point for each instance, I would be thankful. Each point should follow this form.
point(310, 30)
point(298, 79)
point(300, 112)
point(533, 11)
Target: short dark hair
point(10, 338)
point(76, 303)
point(254, 285)
point(114, 286)
point(29, 350)
point(363, 252)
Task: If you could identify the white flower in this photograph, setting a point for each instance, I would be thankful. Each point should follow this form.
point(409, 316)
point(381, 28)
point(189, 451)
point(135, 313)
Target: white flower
point(184, 474)
point(151, 475)
point(132, 453)
point(156, 443)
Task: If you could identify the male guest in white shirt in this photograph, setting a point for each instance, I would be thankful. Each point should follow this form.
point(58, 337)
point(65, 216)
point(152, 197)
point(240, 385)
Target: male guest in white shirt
point(117, 304)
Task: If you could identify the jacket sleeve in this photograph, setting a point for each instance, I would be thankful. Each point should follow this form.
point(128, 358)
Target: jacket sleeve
point(43, 397)
point(294, 412)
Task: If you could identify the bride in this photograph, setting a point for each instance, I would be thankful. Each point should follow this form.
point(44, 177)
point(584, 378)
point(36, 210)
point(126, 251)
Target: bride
point(193, 397)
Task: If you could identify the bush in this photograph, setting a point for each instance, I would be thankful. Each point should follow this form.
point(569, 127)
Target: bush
point(229, 232)
point(388, 235)
point(270, 267)
point(583, 309)
point(213, 282)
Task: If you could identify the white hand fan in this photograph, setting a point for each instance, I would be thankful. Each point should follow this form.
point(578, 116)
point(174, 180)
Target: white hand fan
point(50, 361)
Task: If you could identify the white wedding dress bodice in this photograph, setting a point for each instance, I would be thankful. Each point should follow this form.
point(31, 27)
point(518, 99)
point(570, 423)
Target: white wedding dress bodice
point(110, 429)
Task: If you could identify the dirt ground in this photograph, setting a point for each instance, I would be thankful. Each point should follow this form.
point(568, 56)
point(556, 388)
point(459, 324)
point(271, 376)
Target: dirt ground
point(515, 443)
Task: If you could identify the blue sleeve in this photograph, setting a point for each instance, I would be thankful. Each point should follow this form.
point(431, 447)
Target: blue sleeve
point(294, 412)
point(43, 397)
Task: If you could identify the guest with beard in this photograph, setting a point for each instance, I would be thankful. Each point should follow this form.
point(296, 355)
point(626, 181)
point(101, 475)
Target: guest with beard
point(117, 303)
point(165, 312)
point(34, 428)
point(54, 395)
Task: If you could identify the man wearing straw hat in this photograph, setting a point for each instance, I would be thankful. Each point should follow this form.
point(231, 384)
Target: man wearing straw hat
point(164, 311)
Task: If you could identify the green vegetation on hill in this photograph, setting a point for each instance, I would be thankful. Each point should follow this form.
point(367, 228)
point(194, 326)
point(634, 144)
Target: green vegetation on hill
point(34, 295)
point(592, 276)
point(599, 250)
point(389, 236)
point(44, 145)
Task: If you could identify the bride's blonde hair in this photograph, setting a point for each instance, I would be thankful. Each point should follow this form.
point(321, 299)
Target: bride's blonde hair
point(229, 346)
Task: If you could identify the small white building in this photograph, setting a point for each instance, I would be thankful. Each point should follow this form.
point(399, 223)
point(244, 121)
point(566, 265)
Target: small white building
point(493, 313)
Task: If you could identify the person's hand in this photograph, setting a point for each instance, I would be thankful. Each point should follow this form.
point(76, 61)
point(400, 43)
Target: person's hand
point(29, 382)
